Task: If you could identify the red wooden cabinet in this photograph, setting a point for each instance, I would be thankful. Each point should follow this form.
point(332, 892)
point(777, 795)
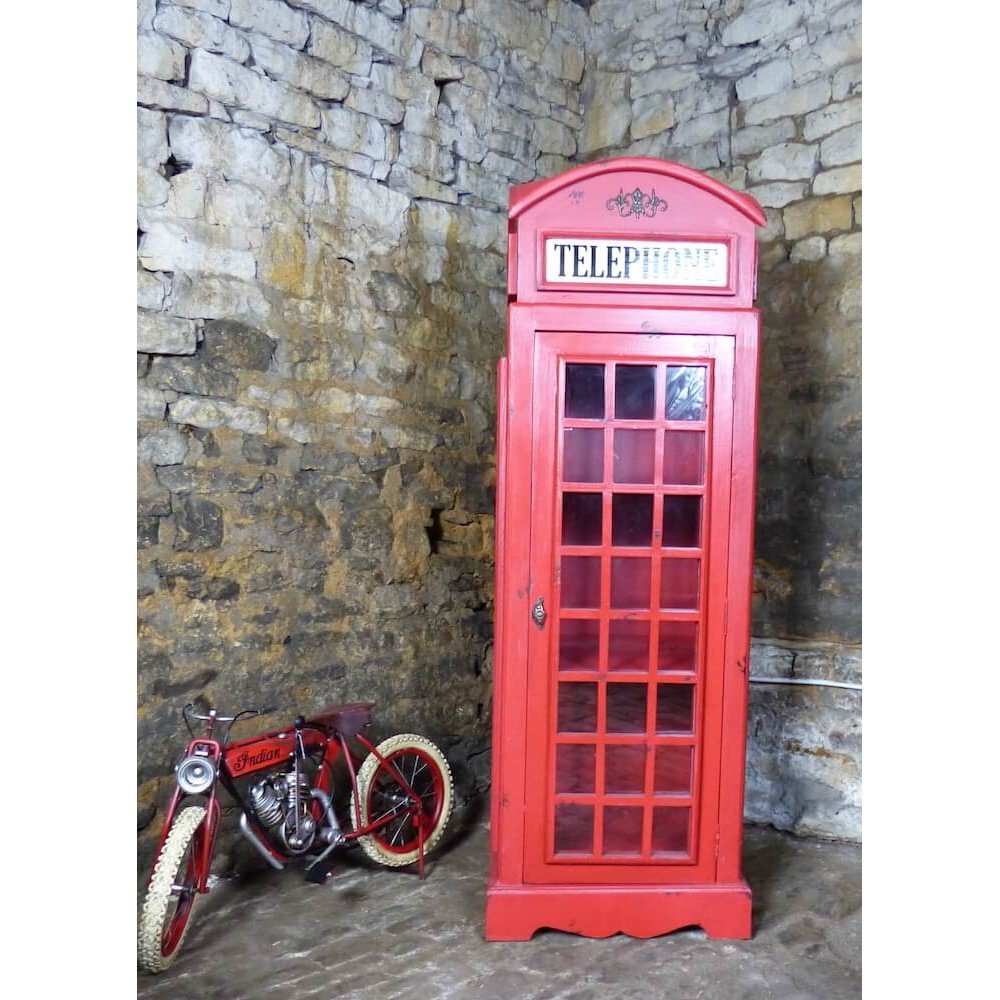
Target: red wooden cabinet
point(626, 439)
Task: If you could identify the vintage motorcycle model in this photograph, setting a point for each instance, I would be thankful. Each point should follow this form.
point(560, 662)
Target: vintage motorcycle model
point(400, 802)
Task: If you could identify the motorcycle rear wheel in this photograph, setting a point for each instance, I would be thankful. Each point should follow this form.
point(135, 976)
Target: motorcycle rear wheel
point(426, 770)
point(166, 910)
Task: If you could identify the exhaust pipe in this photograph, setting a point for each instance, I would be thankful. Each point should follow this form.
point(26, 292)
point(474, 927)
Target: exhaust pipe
point(257, 843)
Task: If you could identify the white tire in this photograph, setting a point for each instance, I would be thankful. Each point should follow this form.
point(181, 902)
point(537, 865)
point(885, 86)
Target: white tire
point(159, 894)
point(416, 756)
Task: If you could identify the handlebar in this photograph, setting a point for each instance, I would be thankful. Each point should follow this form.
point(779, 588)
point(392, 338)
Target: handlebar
point(248, 713)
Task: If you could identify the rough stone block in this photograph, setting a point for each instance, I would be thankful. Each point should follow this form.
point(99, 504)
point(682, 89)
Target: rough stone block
point(840, 180)
point(151, 289)
point(271, 18)
point(199, 525)
point(841, 147)
point(235, 204)
point(826, 54)
point(357, 133)
point(213, 297)
point(847, 82)
point(762, 22)
point(650, 116)
point(184, 245)
point(340, 49)
point(788, 161)
point(150, 403)
point(771, 78)
point(299, 70)
point(202, 31)
point(159, 333)
point(817, 215)
point(192, 376)
point(236, 152)
point(705, 128)
point(609, 112)
point(848, 245)
point(152, 136)
point(789, 103)
point(660, 81)
point(553, 137)
point(831, 119)
point(426, 157)
point(159, 57)
point(339, 157)
point(811, 248)
point(152, 188)
point(159, 94)
point(165, 446)
point(217, 8)
point(756, 138)
point(419, 185)
point(201, 411)
point(231, 83)
point(779, 195)
point(376, 103)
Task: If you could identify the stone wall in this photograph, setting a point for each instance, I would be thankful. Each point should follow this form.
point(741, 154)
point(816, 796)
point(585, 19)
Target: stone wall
point(322, 266)
point(322, 190)
point(766, 96)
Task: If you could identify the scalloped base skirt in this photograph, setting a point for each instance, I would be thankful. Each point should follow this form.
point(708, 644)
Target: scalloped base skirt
point(515, 912)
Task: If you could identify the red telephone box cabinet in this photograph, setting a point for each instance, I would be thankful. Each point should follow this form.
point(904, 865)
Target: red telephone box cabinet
point(626, 439)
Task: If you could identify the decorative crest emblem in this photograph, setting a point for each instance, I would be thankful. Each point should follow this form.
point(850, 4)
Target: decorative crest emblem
point(636, 203)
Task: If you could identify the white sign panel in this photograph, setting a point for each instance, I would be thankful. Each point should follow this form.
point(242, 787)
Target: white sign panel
point(682, 263)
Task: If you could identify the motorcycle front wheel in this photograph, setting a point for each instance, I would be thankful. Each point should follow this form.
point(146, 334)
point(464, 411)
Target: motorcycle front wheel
point(424, 767)
point(172, 891)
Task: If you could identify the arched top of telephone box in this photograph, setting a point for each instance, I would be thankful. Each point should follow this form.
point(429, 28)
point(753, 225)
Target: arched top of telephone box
point(633, 231)
point(525, 196)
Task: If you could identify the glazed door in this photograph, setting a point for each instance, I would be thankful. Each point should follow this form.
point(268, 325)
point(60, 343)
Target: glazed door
point(631, 454)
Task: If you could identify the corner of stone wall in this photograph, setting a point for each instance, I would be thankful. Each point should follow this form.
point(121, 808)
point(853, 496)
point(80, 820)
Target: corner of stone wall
point(765, 95)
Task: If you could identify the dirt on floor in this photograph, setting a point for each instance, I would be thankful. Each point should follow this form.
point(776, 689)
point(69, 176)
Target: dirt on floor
point(385, 935)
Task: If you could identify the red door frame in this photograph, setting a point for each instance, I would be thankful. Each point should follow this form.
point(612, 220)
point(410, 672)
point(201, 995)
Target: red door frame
point(516, 586)
point(717, 353)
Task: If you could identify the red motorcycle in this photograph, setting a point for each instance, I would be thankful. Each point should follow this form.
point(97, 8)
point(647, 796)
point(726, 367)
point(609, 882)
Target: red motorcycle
point(400, 802)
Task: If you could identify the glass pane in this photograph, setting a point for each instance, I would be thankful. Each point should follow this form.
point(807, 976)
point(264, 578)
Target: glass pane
point(632, 519)
point(628, 646)
point(579, 644)
point(624, 770)
point(583, 456)
point(575, 768)
point(630, 583)
point(678, 584)
point(577, 708)
point(635, 392)
point(670, 830)
point(685, 393)
point(626, 708)
point(684, 458)
point(574, 828)
point(580, 579)
point(634, 452)
point(672, 770)
point(622, 830)
point(581, 523)
point(682, 522)
point(675, 708)
point(585, 391)
point(678, 646)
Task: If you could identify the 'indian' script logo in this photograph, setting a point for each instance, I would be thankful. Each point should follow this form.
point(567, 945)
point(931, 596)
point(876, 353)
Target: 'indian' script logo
point(247, 760)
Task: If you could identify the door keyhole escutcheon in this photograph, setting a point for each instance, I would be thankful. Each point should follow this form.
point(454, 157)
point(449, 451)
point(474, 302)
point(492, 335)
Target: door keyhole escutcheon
point(538, 613)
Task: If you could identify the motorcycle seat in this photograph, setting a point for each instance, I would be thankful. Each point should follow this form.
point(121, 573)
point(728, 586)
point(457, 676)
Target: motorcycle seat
point(348, 720)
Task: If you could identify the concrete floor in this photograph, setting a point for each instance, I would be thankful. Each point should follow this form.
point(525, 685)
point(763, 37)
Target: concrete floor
point(372, 933)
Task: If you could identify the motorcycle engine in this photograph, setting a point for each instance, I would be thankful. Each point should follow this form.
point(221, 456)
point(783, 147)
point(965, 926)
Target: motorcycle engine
point(278, 803)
